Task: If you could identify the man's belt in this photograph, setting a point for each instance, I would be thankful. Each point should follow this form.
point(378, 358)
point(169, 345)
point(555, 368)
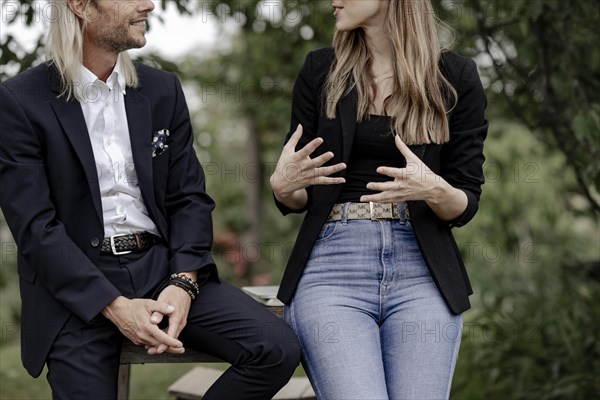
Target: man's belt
point(369, 210)
point(127, 243)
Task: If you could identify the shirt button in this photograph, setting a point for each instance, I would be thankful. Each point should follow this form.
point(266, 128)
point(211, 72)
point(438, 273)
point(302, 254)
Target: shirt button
point(95, 242)
point(109, 142)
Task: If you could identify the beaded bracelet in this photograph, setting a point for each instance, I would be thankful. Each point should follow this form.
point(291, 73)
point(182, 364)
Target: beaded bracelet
point(187, 279)
point(186, 284)
point(179, 285)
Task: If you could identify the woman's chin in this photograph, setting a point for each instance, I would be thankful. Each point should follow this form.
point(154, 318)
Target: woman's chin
point(343, 27)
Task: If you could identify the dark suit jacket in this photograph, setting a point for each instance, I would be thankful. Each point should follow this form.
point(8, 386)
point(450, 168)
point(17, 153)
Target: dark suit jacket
point(458, 161)
point(51, 199)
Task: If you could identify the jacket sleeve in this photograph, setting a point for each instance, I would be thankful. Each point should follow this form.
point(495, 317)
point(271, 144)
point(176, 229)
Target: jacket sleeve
point(305, 111)
point(462, 157)
point(43, 243)
point(188, 205)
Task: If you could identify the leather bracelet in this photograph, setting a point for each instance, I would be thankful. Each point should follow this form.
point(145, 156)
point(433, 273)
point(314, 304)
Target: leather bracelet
point(186, 284)
point(188, 280)
point(182, 286)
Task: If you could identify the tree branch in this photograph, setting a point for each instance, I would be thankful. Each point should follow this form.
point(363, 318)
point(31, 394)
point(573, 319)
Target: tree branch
point(552, 114)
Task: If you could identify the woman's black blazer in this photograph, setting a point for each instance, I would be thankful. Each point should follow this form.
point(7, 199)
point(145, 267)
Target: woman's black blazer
point(459, 162)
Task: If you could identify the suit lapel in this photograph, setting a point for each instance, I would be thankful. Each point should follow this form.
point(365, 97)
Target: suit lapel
point(139, 120)
point(71, 119)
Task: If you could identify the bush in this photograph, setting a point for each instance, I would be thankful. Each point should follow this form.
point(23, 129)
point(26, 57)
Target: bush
point(533, 259)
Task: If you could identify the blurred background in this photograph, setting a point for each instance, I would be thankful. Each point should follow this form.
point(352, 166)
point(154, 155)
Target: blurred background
point(532, 252)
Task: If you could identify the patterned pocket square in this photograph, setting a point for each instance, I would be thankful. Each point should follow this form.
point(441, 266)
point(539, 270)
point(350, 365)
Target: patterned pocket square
point(159, 142)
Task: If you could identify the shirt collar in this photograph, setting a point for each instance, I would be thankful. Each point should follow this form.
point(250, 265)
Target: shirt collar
point(115, 78)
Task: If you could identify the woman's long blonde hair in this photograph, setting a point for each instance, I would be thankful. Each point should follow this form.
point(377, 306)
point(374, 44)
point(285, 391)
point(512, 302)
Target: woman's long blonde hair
point(421, 95)
point(64, 49)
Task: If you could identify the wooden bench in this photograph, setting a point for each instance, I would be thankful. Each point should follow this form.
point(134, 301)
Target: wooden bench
point(132, 354)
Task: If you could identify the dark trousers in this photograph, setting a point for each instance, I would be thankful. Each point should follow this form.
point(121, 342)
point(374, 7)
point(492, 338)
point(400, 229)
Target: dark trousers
point(223, 321)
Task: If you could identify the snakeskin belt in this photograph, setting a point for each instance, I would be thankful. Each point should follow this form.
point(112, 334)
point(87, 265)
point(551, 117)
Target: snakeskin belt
point(128, 243)
point(370, 210)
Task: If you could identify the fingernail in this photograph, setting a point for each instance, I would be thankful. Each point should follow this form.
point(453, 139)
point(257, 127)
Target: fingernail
point(170, 308)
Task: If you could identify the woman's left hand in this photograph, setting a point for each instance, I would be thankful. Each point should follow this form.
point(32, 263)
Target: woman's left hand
point(413, 182)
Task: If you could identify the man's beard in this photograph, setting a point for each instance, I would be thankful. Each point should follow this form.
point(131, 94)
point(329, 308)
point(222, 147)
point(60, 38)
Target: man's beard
point(116, 39)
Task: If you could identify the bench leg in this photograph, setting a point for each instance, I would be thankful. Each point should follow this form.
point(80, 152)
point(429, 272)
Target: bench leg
point(123, 382)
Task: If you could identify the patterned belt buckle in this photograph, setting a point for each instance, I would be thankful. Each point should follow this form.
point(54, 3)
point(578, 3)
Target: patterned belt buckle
point(113, 247)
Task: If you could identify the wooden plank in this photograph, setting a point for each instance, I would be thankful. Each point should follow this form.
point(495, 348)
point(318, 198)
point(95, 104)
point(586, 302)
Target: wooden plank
point(265, 295)
point(196, 382)
point(123, 382)
point(132, 354)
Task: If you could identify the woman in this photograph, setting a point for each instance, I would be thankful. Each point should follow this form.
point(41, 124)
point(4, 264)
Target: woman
point(385, 154)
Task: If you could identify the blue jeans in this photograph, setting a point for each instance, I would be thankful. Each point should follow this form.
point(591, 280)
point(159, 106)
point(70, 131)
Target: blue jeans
point(371, 322)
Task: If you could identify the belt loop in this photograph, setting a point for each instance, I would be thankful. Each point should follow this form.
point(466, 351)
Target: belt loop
point(345, 213)
point(138, 241)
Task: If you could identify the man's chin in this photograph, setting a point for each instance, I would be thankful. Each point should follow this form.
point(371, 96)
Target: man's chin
point(133, 44)
point(139, 44)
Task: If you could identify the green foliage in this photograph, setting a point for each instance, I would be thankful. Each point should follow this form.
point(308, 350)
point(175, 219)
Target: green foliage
point(15, 382)
point(538, 62)
point(534, 263)
point(252, 80)
point(10, 305)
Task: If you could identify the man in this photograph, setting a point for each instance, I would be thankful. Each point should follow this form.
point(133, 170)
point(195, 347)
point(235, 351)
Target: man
point(106, 200)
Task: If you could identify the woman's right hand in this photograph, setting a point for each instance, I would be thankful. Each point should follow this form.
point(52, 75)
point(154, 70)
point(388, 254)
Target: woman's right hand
point(295, 171)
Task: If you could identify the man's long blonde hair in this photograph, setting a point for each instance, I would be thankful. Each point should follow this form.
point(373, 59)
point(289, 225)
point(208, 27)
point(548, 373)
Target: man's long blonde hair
point(421, 95)
point(64, 49)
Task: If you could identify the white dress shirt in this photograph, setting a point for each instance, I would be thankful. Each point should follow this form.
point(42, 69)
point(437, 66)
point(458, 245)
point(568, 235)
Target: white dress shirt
point(103, 107)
